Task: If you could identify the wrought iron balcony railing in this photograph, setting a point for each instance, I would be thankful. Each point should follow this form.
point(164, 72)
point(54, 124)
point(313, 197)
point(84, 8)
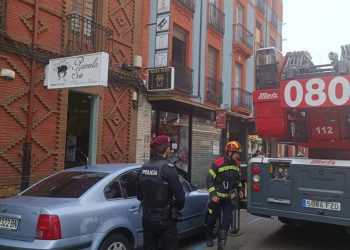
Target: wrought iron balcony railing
point(242, 99)
point(3, 8)
point(274, 20)
point(86, 36)
point(214, 90)
point(261, 6)
point(189, 4)
point(242, 35)
point(183, 77)
point(216, 18)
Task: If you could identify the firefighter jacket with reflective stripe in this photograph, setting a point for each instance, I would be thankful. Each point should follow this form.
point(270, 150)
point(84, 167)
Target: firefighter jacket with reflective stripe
point(224, 176)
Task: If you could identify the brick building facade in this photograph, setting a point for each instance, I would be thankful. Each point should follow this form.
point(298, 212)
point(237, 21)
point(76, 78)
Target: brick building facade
point(33, 118)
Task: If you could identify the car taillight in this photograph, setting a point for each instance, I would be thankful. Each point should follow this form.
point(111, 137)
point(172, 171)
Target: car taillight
point(255, 170)
point(256, 187)
point(48, 227)
point(256, 178)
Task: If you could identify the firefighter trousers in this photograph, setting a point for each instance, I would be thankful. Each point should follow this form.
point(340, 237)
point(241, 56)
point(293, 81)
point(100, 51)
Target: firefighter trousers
point(214, 210)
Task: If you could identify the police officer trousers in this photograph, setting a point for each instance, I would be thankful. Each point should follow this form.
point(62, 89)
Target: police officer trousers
point(159, 233)
point(214, 210)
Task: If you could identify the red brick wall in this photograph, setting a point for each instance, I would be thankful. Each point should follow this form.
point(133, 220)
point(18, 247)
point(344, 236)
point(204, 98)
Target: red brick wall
point(117, 118)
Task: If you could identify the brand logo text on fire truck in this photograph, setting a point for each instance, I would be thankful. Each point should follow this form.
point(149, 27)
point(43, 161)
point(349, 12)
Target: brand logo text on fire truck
point(268, 96)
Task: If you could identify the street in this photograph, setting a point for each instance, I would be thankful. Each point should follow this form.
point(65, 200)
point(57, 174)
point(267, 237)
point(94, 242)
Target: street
point(270, 234)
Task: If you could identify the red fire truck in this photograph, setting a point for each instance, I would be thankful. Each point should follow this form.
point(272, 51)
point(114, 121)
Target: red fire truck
point(307, 105)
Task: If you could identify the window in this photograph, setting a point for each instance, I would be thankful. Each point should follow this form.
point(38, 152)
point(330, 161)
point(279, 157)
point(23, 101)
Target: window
point(239, 14)
point(112, 190)
point(128, 183)
point(212, 62)
point(179, 46)
point(65, 185)
point(185, 185)
point(238, 76)
point(258, 34)
point(85, 9)
point(272, 42)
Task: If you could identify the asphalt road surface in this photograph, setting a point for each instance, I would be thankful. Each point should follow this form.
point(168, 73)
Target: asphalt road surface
point(270, 234)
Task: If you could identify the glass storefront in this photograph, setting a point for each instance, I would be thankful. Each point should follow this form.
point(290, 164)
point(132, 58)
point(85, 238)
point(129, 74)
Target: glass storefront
point(176, 126)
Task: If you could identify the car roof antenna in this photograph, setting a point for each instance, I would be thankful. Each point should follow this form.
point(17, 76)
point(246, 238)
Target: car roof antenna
point(86, 157)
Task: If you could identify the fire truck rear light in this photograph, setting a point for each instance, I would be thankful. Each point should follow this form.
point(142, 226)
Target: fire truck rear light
point(256, 187)
point(256, 178)
point(255, 170)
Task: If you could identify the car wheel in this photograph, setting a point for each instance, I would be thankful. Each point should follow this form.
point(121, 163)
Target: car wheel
point(115, 242)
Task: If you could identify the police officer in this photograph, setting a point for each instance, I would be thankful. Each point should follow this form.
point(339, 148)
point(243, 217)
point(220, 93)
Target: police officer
point(223, 182)
point(162, 197)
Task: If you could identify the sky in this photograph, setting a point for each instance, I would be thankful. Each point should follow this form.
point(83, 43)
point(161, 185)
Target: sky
point(318, 26)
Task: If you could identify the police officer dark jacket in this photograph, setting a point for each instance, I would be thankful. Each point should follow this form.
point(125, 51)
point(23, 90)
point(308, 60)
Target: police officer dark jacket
point(223, 177)
point(160, 184)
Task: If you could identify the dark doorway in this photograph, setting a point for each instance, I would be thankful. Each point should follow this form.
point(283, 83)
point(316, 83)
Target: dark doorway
point(78, 129)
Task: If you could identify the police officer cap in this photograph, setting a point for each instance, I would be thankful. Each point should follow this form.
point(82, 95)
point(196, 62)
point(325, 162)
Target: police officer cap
point(159, 141)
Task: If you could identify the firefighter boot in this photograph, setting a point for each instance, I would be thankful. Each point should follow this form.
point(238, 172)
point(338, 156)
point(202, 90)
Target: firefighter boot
point(222, 239)
point(210, 237)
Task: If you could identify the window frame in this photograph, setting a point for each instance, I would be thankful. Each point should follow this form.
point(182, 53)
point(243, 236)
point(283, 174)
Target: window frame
point(124, 194)
point(110, 183)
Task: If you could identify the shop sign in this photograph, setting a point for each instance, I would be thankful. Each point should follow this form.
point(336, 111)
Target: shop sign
point(78, 71)
point(221, 119)
point(216, 147)
point(162, 41)
point(163, 23)
point(161, 79)
point(163, 6)
point(161, 59)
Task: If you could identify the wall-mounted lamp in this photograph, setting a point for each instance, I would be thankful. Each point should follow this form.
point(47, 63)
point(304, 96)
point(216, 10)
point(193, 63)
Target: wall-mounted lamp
point(7, 74)
point(134, 100)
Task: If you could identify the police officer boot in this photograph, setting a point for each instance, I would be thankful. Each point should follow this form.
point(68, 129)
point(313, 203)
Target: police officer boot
point(210, 237)
point(222, 239)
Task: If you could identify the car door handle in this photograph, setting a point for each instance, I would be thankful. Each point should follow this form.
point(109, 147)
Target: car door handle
point(134, 210)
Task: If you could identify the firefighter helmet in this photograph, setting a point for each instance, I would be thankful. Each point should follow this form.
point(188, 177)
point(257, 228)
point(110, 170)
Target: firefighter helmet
point(233, 146)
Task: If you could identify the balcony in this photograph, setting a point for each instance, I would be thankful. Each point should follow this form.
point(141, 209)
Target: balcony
point(216, 18)
point(242, 100)
point(214, 90)
point(189, 4)
point(260, 4)
point(243, 39)
point(183, 78)
point(3, 5)
point(86, 36)
point(274, 20)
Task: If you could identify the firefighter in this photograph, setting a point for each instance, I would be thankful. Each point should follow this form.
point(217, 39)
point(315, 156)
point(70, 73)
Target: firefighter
point(223, 182)
point(162, 197)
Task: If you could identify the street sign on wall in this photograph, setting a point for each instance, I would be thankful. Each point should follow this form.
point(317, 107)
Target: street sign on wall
point(161, 59)
point(78, 71)
point(163, 6)
point(221, 119)
point(161, 79)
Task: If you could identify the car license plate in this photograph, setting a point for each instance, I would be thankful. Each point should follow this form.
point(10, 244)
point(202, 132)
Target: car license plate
point(8, 224)
point(335, 206)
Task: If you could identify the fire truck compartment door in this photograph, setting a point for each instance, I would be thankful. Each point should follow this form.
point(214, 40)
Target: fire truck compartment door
point(279, 188)
point(322, 181)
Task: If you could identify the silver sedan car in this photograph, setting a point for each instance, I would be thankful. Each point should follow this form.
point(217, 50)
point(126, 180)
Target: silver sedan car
point(92, 207)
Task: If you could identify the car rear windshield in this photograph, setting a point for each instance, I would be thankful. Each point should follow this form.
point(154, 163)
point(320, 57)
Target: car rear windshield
point(65, 185)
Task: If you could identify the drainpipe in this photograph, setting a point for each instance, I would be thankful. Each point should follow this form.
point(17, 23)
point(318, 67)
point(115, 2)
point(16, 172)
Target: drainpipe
point(27, 147)
point(200, 50)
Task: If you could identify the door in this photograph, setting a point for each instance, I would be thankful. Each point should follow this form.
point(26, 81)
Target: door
point(194, 212)
point(279, 185)
point(237, 85)
point(239, 21)
point(128, 183)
